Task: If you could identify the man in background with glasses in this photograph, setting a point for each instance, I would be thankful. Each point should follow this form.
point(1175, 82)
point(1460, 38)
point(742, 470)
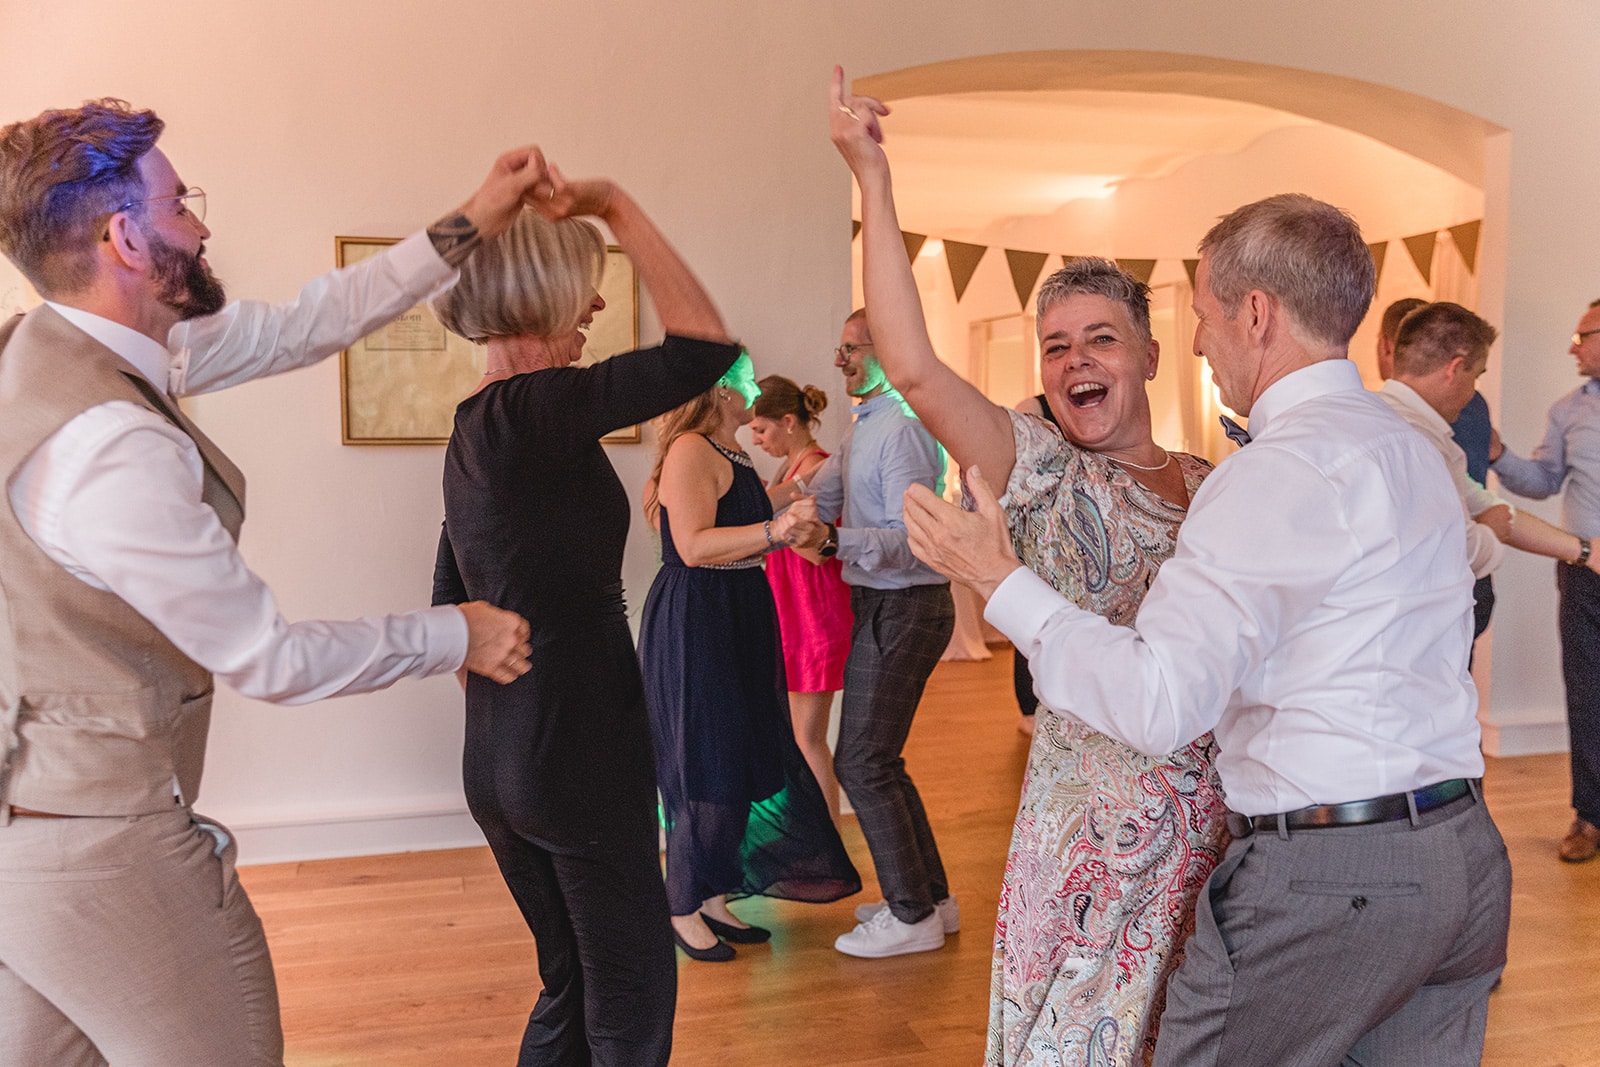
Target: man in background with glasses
point(124, 933)
point(1571, 448)
point(904, 617)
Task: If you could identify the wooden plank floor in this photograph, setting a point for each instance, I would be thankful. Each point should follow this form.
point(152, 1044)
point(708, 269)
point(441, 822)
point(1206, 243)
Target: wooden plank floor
point(422, 959)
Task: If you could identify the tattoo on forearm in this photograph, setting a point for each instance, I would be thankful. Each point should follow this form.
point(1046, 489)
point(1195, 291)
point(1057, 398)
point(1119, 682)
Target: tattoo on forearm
point(454, 238)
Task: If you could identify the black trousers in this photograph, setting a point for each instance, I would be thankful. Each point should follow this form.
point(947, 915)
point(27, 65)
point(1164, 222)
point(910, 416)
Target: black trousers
point(896, 641)
point(1580, 667)
point(600, 924)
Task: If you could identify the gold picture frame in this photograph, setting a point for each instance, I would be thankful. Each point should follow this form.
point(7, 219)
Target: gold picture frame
point(400, 385)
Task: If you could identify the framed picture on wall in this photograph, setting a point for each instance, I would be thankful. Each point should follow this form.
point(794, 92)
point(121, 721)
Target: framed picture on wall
point(616, 328)
point(400, 384)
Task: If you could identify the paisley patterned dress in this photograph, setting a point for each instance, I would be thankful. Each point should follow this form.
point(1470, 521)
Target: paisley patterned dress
point(1110, 847)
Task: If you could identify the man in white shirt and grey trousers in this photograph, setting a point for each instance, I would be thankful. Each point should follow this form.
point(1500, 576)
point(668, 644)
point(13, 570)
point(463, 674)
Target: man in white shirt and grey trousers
point(124, 933)
point(1317, 616)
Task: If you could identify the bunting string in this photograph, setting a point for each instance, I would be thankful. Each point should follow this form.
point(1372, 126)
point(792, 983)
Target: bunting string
point(1026, 266)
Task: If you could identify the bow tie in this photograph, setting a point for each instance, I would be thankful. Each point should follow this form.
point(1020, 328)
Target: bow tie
point(1236, 433)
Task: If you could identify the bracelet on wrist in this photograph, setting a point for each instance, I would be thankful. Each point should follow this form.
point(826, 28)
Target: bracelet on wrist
point(766, 528)
point(1582, 559)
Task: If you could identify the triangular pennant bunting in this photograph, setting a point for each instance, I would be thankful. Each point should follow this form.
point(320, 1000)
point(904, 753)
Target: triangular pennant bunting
point(1189, 267)
point(1379, 249)
point(1421, 249)
point(1139, 268)
point(914, 243)
point(855, 228)
point(1025, 270)
point(962, 259)
point(1465, 237)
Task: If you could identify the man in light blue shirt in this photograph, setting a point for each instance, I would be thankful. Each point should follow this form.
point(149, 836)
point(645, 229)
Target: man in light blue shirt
point(1571, 449)
point(903, 620)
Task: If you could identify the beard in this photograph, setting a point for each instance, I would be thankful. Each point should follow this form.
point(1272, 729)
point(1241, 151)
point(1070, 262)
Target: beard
point(183, 283)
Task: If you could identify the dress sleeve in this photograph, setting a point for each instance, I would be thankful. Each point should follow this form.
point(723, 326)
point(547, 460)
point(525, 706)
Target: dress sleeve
point(590, 402)
point(448, 586)
point(1042, 454)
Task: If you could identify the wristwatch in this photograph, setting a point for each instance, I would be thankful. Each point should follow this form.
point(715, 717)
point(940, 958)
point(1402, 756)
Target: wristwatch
point(830, 544)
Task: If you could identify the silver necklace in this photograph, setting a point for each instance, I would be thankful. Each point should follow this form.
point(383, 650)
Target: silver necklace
point(1140, 466)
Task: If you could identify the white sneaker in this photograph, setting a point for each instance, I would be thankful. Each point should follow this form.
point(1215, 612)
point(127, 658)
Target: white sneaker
point(948, 910)
point(884, 935)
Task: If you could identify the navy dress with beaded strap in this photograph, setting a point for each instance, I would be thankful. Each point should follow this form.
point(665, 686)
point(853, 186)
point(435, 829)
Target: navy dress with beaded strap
point(745, 816)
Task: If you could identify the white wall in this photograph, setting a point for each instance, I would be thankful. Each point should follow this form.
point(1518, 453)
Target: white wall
point(305, 120)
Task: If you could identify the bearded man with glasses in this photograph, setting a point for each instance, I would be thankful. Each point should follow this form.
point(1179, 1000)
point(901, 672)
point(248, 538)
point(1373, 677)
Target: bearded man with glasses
point(1571, 449)
point(124, 933)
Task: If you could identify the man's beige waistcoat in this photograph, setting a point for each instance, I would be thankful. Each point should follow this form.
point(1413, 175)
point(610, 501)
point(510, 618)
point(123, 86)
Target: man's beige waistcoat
point(99, 713)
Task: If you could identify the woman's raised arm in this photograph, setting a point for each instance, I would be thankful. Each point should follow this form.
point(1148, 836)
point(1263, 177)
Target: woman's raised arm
point(975, 430)
point(681, 302)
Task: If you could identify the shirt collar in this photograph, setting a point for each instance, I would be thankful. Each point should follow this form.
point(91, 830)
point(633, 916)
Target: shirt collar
point(1413, 402)
point(1320, 379)
point(889, 396)
point(1591, 387)
point(149, 358)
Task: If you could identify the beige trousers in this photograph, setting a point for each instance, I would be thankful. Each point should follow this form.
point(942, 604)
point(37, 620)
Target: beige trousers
point(130, 940)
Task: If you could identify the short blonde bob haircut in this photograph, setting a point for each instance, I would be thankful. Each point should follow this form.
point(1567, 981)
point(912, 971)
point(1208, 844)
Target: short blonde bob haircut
point(534, 280)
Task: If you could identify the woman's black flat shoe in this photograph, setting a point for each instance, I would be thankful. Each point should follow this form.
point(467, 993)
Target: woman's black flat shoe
point(718, 953)
point(738, 935)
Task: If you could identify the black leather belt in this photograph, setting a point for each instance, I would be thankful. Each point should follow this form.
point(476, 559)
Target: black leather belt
point(1391, 808)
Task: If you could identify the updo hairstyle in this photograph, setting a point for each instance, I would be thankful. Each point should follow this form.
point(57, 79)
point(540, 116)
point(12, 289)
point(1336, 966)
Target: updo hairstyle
point(780, 397)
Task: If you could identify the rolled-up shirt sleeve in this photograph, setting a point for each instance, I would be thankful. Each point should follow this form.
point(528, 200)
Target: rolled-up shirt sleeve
point(1540, 475)
point(114, 497)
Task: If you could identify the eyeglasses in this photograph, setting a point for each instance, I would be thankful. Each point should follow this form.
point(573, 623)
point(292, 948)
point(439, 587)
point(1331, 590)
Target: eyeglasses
point(193, 201)
point(1577, 338)
point(846, 351)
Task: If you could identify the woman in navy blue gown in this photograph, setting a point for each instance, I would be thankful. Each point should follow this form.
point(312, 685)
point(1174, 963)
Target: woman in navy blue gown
point(745, 815)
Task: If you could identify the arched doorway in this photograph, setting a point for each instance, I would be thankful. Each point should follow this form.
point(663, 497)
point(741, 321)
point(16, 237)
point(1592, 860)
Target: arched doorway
point(981, 145)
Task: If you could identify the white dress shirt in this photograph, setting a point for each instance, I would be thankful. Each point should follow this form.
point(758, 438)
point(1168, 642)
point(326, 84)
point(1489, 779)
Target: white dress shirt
point(1484, 550)
point(114, 495)
point(1316, 614)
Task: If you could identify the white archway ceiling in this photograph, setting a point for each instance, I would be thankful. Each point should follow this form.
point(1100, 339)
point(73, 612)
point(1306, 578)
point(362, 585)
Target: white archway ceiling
point(963, 161)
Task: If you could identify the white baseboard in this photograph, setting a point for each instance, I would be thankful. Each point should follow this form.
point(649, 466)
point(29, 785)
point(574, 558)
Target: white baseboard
point(1524, 738)
point(271, 839)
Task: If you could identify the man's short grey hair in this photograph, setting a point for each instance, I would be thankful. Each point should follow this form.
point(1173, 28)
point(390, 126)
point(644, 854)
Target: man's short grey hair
point(1099, 277)
point(534, 280)
point(1306, 254)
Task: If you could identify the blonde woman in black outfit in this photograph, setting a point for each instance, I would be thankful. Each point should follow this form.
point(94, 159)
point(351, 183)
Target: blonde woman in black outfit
point(558, 767)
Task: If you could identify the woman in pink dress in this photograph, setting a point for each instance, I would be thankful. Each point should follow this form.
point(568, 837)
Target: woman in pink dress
point(813, 601)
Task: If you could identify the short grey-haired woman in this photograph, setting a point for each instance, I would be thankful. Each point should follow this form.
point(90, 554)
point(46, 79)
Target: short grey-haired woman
point(1110, 846)
point(557, 766)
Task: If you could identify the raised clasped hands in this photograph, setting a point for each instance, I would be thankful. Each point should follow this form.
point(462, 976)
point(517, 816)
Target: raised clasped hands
point(798, 526)
point(971, 547)
point(559, 198)
point(853, 126)
point(515, 177)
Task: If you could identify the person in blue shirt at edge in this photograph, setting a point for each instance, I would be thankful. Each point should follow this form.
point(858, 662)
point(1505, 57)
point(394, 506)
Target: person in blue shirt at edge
point(1571, 449)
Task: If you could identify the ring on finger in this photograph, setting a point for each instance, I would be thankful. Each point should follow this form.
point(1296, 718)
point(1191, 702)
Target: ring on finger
point(849, 111)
